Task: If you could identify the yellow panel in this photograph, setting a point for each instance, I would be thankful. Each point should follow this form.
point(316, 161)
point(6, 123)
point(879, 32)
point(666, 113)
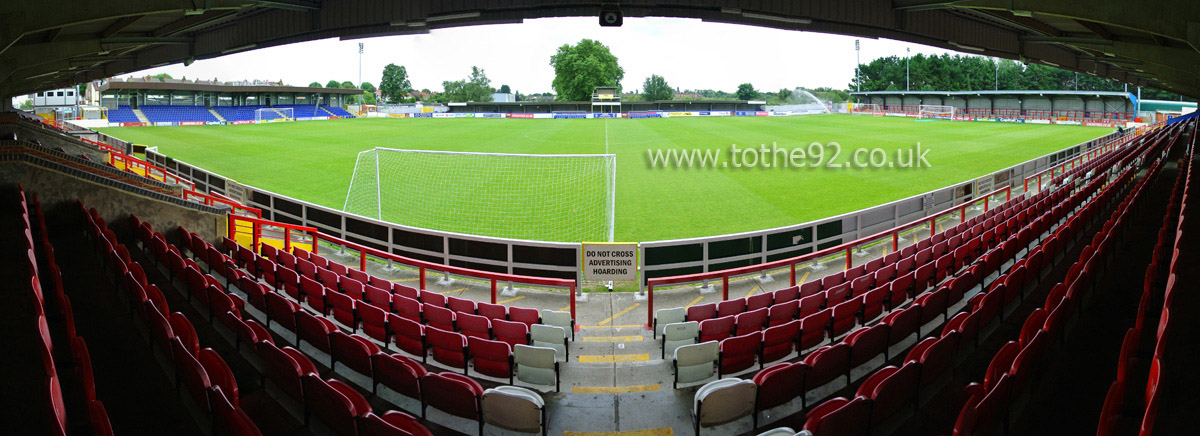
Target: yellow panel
point(612, 338)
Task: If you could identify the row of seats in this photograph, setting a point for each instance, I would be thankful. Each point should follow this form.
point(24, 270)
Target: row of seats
point(455, 331)
point(1128, 398)
point(885, 391)
point(889, 389)
point(770, 326)
point(175, 114)
point(122, 114)
point(43, 273)
point(452, 393)
point(1012, 367)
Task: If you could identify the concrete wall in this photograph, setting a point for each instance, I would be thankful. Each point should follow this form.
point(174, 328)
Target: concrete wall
point(53, 140)
point(57, 190)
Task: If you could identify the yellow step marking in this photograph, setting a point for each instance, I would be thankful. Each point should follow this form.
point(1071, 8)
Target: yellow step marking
point(510, 300)
point(616, 390)
point(611, 338)
point(564, 309)
point(693, 303)
point(805, 277)
point(614, 358)
point(752, 291)
point(618, 314)
point(413, 279)
point(452, 290)
point(649, 432)
point(625, 326)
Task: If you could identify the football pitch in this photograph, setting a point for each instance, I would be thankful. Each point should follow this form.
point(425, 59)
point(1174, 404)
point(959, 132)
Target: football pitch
point(314, 161)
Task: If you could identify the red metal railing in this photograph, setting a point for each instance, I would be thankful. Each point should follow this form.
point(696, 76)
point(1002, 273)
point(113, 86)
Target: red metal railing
point(259, 226)
point(150, 170)
point(845, 249)
point(423, 266)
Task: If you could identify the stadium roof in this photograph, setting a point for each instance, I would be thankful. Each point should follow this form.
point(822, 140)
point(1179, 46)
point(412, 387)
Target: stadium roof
point(1154, 44)
point(176, 85)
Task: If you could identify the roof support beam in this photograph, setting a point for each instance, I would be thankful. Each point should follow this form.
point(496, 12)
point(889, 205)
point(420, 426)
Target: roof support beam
point(119, 25)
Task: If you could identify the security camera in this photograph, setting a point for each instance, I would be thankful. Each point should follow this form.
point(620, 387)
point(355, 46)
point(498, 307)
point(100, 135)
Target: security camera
point(610, 15)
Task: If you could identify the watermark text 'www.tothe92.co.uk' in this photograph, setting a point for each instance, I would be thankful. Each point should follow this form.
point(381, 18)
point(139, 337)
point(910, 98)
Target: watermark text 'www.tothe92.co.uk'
point(816, 155)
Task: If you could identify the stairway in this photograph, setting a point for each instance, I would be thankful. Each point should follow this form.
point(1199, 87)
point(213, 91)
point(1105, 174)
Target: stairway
point(141, 116)
point(281, 115)
point(327, 111)
point(216, 114)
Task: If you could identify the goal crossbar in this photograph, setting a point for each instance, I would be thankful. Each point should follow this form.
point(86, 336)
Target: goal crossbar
point(559, 197)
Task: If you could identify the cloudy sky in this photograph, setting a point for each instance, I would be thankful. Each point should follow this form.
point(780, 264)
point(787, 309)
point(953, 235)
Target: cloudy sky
point(690, 54)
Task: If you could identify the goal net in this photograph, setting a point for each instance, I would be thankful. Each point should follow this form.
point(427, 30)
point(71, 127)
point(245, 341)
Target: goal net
point(867, 109)
point(268, 115)
point(562, 198)
point(934, 111)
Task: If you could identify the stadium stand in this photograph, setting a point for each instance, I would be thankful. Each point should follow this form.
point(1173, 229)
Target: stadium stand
point(159, 113)
point(338, 111)
point(122, 114)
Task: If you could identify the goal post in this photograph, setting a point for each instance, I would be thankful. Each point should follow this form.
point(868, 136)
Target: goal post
point(559, 198)
point(269, 115)
point(867, 109)
point(936, 111)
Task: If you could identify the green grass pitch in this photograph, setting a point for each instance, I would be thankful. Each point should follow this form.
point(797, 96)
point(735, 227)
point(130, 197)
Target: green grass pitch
point(314, 160)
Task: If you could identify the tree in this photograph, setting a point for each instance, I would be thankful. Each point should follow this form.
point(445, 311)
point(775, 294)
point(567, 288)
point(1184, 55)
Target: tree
point(333, 84)
point(314, 85)
point(504, 89)
point(656, 88)
point(395, 85)
point(476, 87)
point(161, 76)
point(746, 91)
point(579, 69)
point(26, 104)
point(784, 95)
point(368, 93)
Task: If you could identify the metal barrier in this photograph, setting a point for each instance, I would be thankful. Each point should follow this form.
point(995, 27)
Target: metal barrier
point(891, 236)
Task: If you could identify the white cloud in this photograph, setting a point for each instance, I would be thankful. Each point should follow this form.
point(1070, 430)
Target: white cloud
point(688, 53)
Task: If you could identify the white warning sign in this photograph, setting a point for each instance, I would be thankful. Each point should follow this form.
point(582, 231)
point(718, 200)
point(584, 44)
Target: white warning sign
point(609, 261)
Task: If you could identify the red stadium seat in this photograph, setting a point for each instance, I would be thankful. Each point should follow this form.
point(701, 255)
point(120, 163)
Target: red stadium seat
point(873, 303)
point(845, 316)
point(811, 304)
point(432, 299)
point(731, 307)
point(933, 304)
point(782, 313)
point(828, 363)
point(510, 332)
point(866, 343)
point(839, 416)
point(738, 353)
point(408, 335)
point(759, 301)
point(889, 389)
point(807, 289)
point(716, 329)
point(219, 374)
point(392, 423)
point(787, 294)
point(407, 291)
point(461, 305)
point(343, 309)
point(1000, 364)
point(902, 324)
point(285, 367)
point(353, 351)
point(448, 347)
point(837, 294)
point(491, 358)
point(935, 355)
point(779, 384)
point(228, 419)
point(779, 341)
point(455, 394)
point(398, 373)
point(492, 311)
point(439, 317)
point(374, 322)
point(407, 307)
point(474, 325)
point(524, 315)
point(752, 321)
point(814, 328)
point(185, 333)
point(335, 403)
point(353, 288)
point(701, 312)
point(315, 330)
